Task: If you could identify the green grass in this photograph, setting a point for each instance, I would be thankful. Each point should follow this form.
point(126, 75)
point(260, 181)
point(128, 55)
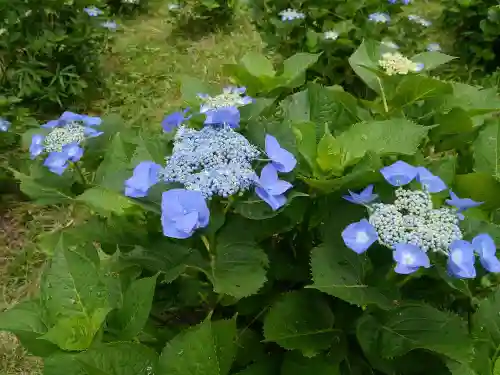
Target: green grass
point(143, 69)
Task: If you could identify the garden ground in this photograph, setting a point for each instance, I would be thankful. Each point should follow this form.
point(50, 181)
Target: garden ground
point(144, 65)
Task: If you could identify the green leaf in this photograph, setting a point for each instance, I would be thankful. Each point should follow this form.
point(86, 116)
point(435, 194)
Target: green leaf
point(456, 121)
point(480, 187)
point(300, 320)
point(297, 107)
point(258, 65)
point(76, 332)
point(295, 67)
point(256, 209)
point(264, 367)
point(106, 201)
point(367, 56)
point(390, 137)
point(330, 156)
point(340, 272)
point(296, 364)
point(306, 142)
point(149, 148)
point(71, 285)
point(191, 87)
point(40, 194)
point(486, 320)
point(208, 348)
point(422, 326)
point(457, 368)
point(119, 358)
point(432, 60)
point(114, 169)
point(137, 301)
point(25, 321)
point(63, 364)
point(487, 150)
point(415, 88)
point(238, 267)
point(164, 256)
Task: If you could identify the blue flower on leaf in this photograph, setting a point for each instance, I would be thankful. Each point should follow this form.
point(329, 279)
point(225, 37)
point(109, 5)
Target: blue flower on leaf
point(399, 173)
point(93, 11)
point(461, 204)
point(359, 236)
point(461, 260)
point(364, 197)
point(146, 174)
point(174, 120)
point(229, 116)
point(110, 25)
point(68, 117)
point(432, 183)
point(485, 247)
point(4, 125)
point(271, 189)
point(378, 17)
point(183, 211)
point(409, 258)
point(281, 159)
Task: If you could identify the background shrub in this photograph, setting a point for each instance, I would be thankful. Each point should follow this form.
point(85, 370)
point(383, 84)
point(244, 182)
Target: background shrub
point(475, 30)
point(50, 51)
point(127, 6)
point(348, 19)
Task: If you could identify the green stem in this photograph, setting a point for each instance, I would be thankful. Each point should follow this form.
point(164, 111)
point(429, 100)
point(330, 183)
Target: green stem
point(384, 99)
point(404, 281)
point(206, 242)
point(80, 173)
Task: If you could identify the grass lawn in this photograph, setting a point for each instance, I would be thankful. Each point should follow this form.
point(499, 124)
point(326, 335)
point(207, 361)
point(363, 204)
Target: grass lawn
point(142, 73)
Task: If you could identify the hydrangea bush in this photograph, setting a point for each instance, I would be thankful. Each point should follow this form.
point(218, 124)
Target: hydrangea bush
point(262, 232)
point(335, 28)
point(50, 50)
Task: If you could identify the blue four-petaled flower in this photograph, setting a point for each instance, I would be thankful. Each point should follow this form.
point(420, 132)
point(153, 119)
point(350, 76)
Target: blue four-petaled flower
point(461, 260)
point(359, 236)
point(366, 196)
point(174, 120)
point(146, 174)
point(409, 258)
point(282, 160)
point(270, 188)
point(485, 248)
point(183, 212)
point(399, 173)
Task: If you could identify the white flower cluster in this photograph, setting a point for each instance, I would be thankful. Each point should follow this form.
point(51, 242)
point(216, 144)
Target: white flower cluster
point(230, 97)
point(61, 136)
point(396, 63)
point(131, 1)
point(412, 219)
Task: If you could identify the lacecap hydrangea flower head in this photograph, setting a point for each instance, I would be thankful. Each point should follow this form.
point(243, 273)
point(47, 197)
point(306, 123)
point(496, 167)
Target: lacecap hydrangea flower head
point(63, 143)
point(215, 161)
point(413, 228)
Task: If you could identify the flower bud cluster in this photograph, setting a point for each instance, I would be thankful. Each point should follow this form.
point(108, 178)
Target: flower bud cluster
point(73, 132)
point(412, 219)
point(395, 63)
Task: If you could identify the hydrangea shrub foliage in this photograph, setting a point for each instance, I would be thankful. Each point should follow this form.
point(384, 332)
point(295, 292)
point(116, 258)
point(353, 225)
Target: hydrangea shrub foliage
point(274, 227)
point(335, 28)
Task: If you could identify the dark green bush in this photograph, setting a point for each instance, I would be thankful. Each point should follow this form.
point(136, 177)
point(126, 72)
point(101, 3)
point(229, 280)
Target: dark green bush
point(127, 7)
point(349, 19)
point(475, 29)
point(50, 51)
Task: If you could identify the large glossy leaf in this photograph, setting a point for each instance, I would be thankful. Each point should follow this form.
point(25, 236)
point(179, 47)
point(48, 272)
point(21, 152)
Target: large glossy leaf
point(296, 364)
point(481, 187)
point(208, 348)
point(367, 56)
point(432, 60)
point(114, 169)
point(40, 193)
point(106, 202)
point(415, 88)
point(300, 320)
point(487, 150)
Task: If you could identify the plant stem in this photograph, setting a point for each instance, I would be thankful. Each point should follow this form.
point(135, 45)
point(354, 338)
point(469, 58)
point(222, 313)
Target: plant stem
point(206, 242)
point(384, 99)
point(80, 173)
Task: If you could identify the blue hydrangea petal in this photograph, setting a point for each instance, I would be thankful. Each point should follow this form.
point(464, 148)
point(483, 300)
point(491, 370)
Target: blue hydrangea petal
point(364, 197)
point(268, 176)
point(359, 236)
point(461, 260)
point(187, 223)
point(174, 120)
point(399, 173)
point(283, 160)
point(91, 132)
point(4, 124)
point(274, 201)
point(223, 116)
point(57, 162)
point(279, 187)
point(432, 183)
point(36, 147)
point(73, 151)
point(404, 269)
point(145, 175)
point(486, 249)
point(51, 124)
point(409, 258)
point(461, 204)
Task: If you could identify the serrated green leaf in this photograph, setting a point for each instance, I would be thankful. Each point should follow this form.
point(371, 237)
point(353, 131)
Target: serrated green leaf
point(263, 367)
point(76, 332)
point(295, 67)
point(364, 60)
point(422, 326)
point(238, 268)
point(120, 358)
point(487, 150)
point(297, 107)
point(457, 368)
point(208, 348)
point(340, 272)
point(432, 60)
point(149, 148)
point(300, 320)
point(414, 88)
point(40, 194)
point(390, 137)
point(71, 285)
point(63, 364)
point(486, 319)
point(25, 321)
point(106, 201)
point(305, 134)
point(296, 364)
point(114, 169)
point(258, 65)
point(330, 156)
point(132, 316)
